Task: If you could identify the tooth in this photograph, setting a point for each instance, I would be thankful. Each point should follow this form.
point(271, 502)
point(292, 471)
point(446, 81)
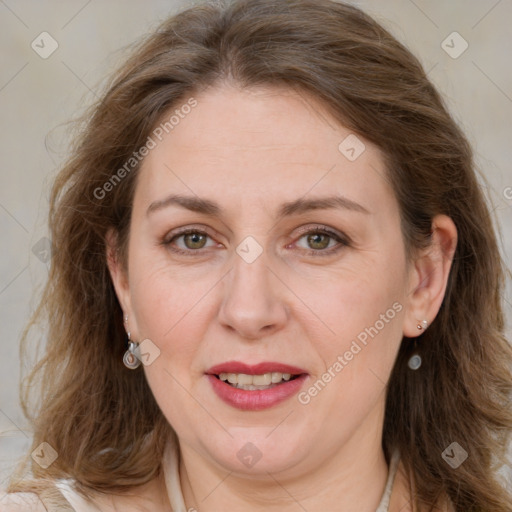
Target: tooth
point(253, 388)
point(244, 379)
point(262, 380)
point(276, 377)
point(252, 382)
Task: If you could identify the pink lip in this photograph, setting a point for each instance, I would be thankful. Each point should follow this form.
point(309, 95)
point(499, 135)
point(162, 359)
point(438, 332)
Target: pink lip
point(260, 399)
point(256, 369)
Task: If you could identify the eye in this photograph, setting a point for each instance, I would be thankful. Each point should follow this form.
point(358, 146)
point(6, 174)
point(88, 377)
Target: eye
point(192, 241)
point(321, 241)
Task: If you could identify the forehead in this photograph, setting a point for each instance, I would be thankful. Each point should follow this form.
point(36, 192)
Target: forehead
point(260, 143)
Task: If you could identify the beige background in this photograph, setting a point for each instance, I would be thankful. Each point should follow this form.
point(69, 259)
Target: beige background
point(38, 95)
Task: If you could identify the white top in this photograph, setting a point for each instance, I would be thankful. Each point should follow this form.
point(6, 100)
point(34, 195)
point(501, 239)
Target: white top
point(17, 502)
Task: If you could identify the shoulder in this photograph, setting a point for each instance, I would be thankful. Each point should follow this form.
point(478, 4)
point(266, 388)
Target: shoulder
point(62, 496)
point(21, 502)
point(48, 499)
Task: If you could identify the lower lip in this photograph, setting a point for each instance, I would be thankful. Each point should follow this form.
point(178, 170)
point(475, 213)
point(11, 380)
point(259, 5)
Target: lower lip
point(258, 399)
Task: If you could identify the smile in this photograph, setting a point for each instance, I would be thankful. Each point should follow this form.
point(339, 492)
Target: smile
point(255, 387)
point(255, 382)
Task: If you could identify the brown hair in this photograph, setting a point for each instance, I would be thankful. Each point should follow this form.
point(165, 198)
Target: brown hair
point(103, 420)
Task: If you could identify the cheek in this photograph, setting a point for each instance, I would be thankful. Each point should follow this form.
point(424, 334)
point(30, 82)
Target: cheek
point(170, 312)
point(360, 331)
point(356, 295)
point(164, 295)
point(355, 365)
point(173, 310)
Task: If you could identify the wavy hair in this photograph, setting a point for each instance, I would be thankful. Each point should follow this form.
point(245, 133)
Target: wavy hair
point(102, 419)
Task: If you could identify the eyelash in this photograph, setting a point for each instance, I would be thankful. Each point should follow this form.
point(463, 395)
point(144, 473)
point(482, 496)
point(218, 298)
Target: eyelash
point(342, 240)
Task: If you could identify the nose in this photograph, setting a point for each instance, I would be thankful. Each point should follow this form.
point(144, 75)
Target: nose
point(253, 304)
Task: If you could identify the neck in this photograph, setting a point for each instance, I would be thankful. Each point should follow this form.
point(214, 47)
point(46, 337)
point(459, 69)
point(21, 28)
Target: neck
point(351, 479)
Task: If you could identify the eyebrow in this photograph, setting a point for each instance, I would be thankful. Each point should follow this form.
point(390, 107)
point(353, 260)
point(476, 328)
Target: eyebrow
point(301, 205)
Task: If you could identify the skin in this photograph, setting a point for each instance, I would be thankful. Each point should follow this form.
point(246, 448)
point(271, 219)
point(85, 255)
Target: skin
point(250, 151)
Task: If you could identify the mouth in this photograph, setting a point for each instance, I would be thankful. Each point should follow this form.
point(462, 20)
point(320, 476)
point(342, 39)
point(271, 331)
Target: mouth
point(256, 382)
point(255, 387)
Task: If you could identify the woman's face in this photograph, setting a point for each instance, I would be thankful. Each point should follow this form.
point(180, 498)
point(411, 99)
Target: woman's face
point(252, 289)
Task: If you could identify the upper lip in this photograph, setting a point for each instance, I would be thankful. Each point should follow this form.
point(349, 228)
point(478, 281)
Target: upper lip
point(254, 369)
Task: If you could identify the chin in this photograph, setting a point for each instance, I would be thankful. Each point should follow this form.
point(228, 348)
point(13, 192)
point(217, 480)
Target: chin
point(255, 452)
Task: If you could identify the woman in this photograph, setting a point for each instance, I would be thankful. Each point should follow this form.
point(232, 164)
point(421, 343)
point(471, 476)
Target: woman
point(277, 283)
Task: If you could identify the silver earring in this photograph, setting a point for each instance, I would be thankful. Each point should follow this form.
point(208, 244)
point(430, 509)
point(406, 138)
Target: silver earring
point(130, 360)
point(415, 360)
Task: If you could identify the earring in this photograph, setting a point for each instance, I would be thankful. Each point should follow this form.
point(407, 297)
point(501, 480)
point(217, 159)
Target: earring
point(415, 360)
point(130, 360)
point(423, 325)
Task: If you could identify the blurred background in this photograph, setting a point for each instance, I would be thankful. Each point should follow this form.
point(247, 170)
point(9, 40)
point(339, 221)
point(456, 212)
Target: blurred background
point(56, 55)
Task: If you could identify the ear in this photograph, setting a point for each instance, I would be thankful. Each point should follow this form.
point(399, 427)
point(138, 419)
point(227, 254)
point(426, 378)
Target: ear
point(117, 272)
point(429, 276)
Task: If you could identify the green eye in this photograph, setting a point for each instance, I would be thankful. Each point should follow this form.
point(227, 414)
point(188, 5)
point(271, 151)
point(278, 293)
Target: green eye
point(318, 240)
point(194, 240)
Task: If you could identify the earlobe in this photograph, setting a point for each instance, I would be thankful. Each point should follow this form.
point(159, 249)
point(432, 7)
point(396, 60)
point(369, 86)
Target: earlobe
point(429, 276)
